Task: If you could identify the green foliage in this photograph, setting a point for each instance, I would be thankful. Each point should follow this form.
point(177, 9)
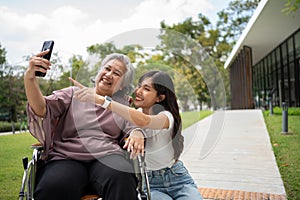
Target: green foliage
point(217, 42)
point(132, 51)
point(177, 52)
point(183, 89)
point(196, 62)
point(151, 65)
point(286, 149)
point(278, 111)
point(102, 49)
point(291, 6)
point(233, 19)
point(2, 55)
point(6, 126)
point(12, 96)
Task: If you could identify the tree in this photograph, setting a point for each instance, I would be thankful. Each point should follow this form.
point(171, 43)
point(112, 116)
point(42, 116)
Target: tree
point(189, 57)
point(13, 99)
point(2, 55)
point(183, 90)
point(85, 70)
point(2, 74)
point(233, 19)
point(102, 49)
point(215, 41)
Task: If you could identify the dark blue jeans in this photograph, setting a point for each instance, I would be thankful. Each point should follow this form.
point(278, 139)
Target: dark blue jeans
point(69, 179)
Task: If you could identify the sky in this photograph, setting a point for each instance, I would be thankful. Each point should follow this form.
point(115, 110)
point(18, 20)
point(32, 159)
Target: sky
point(76, 24)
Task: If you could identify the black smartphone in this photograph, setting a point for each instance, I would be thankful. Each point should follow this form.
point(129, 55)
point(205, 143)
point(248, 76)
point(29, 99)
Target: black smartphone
point(47, 45)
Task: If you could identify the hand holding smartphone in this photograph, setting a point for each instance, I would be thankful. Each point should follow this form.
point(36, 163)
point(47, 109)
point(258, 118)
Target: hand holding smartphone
point(47, 45)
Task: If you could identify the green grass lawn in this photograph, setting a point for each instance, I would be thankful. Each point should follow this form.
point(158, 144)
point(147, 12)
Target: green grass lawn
point(189, 118)
point(14, 147)
point(287, 151)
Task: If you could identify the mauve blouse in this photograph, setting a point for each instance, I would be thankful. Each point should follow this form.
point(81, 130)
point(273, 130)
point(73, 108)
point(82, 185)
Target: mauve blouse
point(77, 130)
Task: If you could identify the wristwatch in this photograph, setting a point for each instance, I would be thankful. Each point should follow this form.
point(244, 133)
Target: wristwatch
point(107, 101)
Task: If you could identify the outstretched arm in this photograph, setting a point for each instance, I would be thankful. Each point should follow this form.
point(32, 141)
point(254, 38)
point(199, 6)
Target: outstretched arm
point(32, 89)
point(134, 116)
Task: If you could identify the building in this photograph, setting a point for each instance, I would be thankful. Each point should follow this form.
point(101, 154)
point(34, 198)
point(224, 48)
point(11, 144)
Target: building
point(264, 65)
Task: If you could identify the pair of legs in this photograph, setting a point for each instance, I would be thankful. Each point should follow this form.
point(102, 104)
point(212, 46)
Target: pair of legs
point(173, 183)
point(110, 177)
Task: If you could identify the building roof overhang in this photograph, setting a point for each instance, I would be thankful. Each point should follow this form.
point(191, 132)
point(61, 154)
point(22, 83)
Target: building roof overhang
point(266, 29)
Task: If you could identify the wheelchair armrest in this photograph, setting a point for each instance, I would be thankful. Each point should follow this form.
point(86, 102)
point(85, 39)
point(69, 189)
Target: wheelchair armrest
point(90, 197)
point(37, 146)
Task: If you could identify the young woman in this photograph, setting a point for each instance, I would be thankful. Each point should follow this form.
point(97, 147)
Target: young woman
point(161, 121)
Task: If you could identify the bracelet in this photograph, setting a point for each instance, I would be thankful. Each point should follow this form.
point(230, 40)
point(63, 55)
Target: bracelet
point(107, 101)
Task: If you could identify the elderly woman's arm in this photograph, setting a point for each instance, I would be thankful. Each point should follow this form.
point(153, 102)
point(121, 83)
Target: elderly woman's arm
point(32, 89)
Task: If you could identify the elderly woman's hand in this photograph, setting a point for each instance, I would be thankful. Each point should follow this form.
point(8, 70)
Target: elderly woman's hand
point(37, 63)
point(135, 144)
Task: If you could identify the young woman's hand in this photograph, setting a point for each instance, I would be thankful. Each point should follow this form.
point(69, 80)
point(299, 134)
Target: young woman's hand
point(135, 144)
point(84, 94)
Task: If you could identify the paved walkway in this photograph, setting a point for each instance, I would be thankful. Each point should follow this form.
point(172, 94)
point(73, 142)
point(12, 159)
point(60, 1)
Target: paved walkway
point(231, 151)
point(9, 133)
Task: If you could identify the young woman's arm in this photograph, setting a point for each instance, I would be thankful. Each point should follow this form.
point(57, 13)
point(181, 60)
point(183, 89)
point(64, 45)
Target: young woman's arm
point(136, 117)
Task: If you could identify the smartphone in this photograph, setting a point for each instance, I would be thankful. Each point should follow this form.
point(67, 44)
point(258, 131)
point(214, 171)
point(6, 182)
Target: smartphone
point(47, 45)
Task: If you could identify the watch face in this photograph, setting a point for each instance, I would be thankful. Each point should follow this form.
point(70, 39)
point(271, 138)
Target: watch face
point(108, 98)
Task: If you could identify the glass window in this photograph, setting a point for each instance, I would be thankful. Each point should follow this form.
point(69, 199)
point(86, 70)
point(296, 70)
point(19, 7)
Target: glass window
point(292, 86)
point(266, 72)
point(284, 53)
point(297, 44)
point(270, 71)
point(273, 64)
point(290, 49)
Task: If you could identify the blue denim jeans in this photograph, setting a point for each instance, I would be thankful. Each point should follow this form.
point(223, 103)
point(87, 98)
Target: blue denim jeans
point(173, 183)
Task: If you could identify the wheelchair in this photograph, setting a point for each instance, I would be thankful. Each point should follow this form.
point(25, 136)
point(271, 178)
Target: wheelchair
point(31, 169)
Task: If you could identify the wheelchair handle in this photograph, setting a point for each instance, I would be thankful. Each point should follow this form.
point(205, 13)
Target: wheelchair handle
point(25, 163)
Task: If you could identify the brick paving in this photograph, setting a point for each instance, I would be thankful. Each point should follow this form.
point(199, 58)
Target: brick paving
point(220, 194)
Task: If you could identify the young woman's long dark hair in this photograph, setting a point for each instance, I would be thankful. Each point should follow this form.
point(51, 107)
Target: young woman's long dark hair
point(163, 84)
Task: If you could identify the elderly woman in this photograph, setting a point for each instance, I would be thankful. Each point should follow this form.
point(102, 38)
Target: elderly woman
point(81, 139)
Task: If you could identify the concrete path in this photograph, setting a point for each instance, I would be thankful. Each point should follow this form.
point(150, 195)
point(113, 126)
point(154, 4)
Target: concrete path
point(10, 133)
point(231, 150)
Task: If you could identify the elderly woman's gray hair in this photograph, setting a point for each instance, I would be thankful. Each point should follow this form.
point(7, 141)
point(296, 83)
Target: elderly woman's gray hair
point(126, 84)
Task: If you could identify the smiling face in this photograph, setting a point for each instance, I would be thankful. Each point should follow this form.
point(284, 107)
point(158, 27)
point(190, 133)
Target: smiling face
point(145, 95)
point(109, 80)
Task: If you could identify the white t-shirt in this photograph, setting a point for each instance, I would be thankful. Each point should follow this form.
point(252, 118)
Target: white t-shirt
point(159, 152)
